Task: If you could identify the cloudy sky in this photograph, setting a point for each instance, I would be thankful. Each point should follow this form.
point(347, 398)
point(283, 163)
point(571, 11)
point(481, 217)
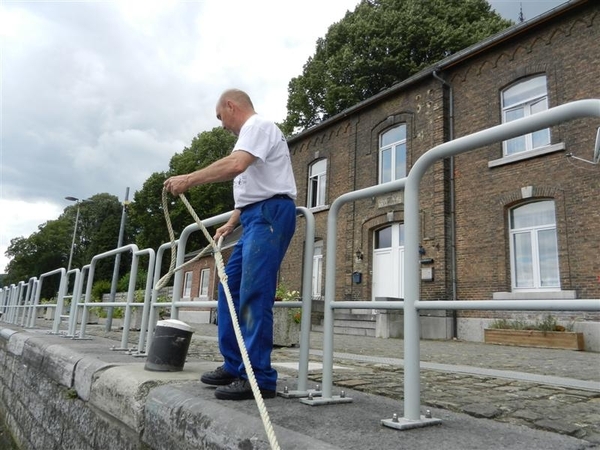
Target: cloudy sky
point(97, 95)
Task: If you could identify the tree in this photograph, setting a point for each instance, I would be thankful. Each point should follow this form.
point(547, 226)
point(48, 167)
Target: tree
point(380, 43)
point(147, 214)
point(98, 232)
point(49, 248)
point(43, 251)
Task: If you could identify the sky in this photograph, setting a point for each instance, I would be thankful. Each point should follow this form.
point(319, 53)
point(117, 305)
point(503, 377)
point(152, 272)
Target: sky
point(95, 96)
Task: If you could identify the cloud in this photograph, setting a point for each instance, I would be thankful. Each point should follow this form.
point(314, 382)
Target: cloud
point(97, 96)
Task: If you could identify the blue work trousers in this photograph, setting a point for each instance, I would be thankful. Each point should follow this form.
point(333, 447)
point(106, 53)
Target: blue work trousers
point(268, 227)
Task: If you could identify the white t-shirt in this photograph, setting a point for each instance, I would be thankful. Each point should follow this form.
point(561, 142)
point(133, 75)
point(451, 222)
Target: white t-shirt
point(271, 173)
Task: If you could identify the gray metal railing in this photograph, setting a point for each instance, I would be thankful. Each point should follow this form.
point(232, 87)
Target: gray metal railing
point(411, 304)
point(21, 301)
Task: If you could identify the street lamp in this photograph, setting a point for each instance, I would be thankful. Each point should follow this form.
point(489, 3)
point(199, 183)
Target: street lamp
point(115, 277)
point(73, 199)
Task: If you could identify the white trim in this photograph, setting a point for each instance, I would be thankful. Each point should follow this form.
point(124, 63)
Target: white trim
point(527, 154)
point(538, 295)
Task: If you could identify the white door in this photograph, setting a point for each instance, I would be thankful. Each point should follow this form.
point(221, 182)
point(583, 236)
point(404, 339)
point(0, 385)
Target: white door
point(388, 262)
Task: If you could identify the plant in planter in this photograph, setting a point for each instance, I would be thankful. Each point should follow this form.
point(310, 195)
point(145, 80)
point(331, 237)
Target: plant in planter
point(547, 333)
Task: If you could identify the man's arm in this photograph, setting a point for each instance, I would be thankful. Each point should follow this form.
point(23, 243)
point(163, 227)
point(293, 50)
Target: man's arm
point(222, 170)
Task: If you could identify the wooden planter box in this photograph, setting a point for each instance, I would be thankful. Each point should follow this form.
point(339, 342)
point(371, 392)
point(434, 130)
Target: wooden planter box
point(531, 338)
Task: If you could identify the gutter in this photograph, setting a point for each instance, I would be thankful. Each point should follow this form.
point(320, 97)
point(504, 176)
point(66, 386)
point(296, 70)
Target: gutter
point(453, 269)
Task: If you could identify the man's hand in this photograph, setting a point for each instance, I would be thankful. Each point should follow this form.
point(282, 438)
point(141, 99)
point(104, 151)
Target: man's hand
point(229, 226)
point(177, 185)
point(223, 231)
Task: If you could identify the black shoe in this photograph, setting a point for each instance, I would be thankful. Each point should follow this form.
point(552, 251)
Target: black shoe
point(241, 390)
point(218, 377)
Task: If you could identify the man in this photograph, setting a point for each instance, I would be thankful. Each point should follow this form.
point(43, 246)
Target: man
point(264, 191)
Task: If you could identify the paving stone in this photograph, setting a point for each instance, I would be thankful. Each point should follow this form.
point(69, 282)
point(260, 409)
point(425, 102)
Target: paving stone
point(560, 426)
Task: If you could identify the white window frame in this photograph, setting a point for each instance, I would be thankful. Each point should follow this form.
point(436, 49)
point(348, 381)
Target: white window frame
point(393, 148)
point(535, 265)
point(187, 284)
point(317, 183)
point(317, 275)
point(203, 285)
point(528, 105)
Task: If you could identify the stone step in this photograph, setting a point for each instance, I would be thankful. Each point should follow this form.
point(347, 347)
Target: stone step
point(354, 317)
point(354, 323)
point(347, 330)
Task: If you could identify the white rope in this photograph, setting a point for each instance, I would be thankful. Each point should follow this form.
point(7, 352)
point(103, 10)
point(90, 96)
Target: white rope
point(264, 414)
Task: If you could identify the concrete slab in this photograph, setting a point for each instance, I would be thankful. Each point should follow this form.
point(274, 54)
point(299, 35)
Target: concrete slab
point(121, 391)
point(187, 416)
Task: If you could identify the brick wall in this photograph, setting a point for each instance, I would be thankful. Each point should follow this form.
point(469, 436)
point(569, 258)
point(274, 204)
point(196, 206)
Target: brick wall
point(351, 148)
point(564, 48)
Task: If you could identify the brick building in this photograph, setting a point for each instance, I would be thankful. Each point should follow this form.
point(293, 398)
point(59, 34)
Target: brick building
point(514, 220)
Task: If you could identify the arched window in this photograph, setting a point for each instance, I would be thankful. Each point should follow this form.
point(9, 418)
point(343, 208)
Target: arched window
point(533, 247)
point(522, 100)
point(392, 154)
point(317, 183)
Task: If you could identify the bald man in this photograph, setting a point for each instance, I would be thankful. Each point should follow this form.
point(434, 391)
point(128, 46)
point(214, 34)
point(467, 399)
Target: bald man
point(264, 192)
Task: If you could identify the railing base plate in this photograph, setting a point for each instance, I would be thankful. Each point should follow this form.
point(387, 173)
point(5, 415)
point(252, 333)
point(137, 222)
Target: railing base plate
point(403, 423)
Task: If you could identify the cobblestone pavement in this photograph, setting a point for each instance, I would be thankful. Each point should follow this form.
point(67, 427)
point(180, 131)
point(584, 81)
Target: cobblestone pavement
point(374, 366)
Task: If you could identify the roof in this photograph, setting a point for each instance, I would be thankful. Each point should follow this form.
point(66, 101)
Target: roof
point(452, 60)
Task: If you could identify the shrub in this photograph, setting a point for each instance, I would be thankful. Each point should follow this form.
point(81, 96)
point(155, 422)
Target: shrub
point(548, 323)
point(100, 288)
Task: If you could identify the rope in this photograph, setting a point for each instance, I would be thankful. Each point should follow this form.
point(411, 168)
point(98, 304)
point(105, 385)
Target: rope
point(264, 414)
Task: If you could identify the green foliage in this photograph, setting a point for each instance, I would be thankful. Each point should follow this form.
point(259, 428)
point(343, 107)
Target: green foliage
point(147, 215)
point(382, 42)
point(548, 323)
point(282, 293)
point(100, 288)
point(140, 281)
point(45, 250)
point(49, 248)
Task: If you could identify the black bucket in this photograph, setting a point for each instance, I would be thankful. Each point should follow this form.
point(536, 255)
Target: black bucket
point(169, 347)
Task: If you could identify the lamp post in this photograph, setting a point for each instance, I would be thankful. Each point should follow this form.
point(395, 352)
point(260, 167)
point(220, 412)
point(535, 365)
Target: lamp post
point(73, 199)
point(115, 278)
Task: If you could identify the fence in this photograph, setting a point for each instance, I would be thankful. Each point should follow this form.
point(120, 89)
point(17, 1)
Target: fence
point(19, 303)
point(411, 304)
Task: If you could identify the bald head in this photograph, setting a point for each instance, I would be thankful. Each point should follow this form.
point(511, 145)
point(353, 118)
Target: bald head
point(237, 96)
point(233, 109)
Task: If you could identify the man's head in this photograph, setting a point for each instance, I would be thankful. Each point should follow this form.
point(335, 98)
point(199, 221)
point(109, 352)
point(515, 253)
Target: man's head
point(233, 109)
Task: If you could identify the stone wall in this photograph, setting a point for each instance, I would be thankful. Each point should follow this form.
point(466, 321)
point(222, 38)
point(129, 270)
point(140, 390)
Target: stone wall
point(40, 404)
point(65, 394)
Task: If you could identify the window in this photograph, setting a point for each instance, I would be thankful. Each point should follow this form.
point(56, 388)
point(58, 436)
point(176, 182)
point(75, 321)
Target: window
point(384, 237)
point(522, 100)
point(204, 277)
point(392, 154)
point(317, 183)
point(317, 275)
point(533, 247)
point(187, 285)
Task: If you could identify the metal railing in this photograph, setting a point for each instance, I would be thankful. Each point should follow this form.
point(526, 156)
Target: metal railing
point(19, 303)
point(412, 304)
point(305, 304)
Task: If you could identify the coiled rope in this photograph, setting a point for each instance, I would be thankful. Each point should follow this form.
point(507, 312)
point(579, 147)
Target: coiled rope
point(264, 414)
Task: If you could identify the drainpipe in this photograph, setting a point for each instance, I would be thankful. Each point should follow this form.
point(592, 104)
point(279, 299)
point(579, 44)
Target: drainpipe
point(452, 202)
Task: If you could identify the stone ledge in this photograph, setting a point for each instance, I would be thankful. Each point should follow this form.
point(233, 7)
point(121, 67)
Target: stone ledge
point(207, 423)
point(121, 391)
